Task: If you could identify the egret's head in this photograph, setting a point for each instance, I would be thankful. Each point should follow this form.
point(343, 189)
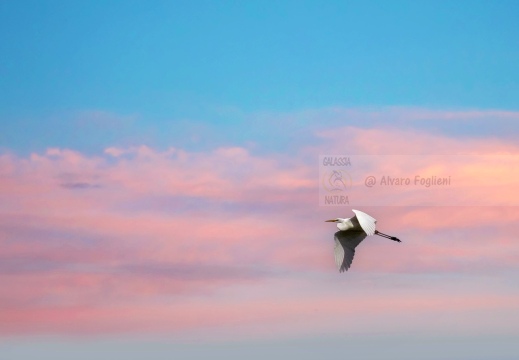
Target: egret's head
point(333, 220)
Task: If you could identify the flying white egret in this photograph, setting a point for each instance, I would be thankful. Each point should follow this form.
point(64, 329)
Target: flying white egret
point(351, 232)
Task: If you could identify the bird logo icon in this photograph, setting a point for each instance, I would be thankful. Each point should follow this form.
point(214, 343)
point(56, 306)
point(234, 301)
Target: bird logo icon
point(336, 180)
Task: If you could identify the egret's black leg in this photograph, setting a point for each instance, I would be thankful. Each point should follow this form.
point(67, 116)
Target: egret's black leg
point(387, 236)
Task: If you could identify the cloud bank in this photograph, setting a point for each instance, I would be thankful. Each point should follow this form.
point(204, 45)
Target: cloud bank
point(139, 239)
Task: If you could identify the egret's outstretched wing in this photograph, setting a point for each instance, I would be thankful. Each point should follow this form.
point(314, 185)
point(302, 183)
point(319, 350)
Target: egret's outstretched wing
point(345, 244)
point(367, 223)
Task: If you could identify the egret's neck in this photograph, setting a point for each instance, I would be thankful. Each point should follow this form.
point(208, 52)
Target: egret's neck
point(344, 224)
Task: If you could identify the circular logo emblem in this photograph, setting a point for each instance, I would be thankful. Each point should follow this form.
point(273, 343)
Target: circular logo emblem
point(336, 180)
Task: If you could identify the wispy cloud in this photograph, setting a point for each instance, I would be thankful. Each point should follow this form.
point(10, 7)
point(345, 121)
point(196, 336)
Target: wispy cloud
point(132, 238)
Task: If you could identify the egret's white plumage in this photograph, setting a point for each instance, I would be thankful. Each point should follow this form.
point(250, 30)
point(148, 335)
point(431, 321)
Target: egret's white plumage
point(367, 223)
point(351, 233)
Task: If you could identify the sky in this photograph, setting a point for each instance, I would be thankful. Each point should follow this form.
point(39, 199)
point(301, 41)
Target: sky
point(160, 177)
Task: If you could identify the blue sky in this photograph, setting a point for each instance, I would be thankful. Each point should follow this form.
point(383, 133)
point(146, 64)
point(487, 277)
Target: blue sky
point(168, 62)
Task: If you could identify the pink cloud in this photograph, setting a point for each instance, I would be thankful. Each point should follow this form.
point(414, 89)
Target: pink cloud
point(137, 239)
point(388, 140)
point(297, 310)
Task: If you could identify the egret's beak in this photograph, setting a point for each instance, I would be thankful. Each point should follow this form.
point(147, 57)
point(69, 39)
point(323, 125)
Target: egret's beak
point(333, 220)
